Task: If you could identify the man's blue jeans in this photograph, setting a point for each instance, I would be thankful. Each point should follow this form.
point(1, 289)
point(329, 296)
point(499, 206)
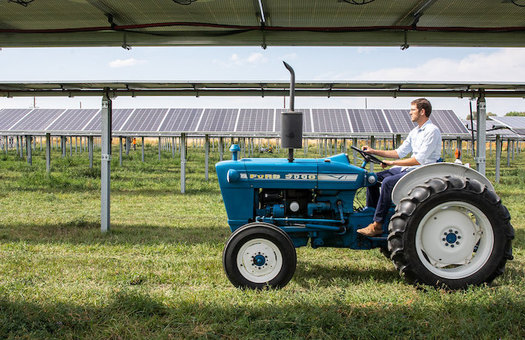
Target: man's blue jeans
point(380, 195)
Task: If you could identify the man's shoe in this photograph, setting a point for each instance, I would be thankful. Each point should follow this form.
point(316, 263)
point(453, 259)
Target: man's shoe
point(371, 230)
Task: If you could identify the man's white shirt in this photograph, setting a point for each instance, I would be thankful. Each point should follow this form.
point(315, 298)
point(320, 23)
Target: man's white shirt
point(424, 143)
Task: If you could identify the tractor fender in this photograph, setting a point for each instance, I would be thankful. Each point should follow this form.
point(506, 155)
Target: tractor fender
point(420, 175)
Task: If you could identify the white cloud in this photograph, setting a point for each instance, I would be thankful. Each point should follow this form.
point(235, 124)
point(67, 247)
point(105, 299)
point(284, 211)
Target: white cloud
point(125, 62)
point(236, 60)
point(505, 65)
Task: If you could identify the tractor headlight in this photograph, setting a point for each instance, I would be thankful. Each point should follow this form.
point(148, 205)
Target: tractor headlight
point(233, 176)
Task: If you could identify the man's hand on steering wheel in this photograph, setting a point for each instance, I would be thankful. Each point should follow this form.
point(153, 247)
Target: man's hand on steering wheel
point(368, 157)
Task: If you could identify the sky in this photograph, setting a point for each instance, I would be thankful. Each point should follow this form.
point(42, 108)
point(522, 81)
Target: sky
point(220, 64)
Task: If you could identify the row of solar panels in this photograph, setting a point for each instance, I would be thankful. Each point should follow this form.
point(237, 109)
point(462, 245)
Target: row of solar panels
point(506, 127)
point(157, 120)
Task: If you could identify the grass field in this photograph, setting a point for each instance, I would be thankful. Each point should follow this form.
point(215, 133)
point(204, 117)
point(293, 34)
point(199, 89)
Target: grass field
point(158, 273)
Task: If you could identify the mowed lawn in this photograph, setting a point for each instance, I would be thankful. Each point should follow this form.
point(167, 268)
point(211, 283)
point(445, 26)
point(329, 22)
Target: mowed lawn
point(158, 273)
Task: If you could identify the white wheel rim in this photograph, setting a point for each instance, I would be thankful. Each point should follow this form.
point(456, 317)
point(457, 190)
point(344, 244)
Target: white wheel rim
point(259, 260)
point(454, 240)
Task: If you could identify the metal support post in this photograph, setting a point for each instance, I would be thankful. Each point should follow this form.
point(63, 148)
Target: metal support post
point(354, 143)
point(76, 144)
point(481, 134)
point(183, 163)
point(207, 155)
point(221, 148)
point(29, 153)
point(90, 151)
point(160, 145)
point(70, 146)
point(120, 152)
point(498, 157)
point(458, 146)
point(142, 149)
point(508, 152)
point(48, 153)
point(105, 166)
point(172, 147)
point(373, 146)
point(443, 151)
point(128, 145)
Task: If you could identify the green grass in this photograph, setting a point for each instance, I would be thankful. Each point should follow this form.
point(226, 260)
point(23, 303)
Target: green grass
point(158, 273)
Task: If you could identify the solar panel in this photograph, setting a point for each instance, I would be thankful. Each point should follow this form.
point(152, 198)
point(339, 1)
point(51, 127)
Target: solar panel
point(331, 120)
point(491, 131)
point(448, 122)
point(368, 121)
point(145, 120)
point(307, 119)
point(223, 120)
point(9, 117)
point(119, 117)
point(37, 120)
point(515, 123)
point(73, 120)
point(181, 120)
point(399, 121)
point(255, 120)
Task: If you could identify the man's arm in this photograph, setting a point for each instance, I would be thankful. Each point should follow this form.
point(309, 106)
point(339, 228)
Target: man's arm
point(402, 162)
point(381, 153)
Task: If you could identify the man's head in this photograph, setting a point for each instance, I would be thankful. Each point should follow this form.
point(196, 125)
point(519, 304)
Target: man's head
point(420, 110)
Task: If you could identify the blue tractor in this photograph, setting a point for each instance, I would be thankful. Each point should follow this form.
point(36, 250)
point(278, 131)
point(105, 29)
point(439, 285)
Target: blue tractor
point(447, 228)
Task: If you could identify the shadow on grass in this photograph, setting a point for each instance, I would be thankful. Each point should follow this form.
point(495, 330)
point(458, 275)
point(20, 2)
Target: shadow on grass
point(133, 314)
point(86, 233)
point(315, 275)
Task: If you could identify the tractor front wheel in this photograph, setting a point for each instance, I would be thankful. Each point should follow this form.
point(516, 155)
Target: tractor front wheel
point(259, 255)
point(450, 232)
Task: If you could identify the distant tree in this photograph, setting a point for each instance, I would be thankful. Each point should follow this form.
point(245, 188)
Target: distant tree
point(489, 114)
point(515, 113)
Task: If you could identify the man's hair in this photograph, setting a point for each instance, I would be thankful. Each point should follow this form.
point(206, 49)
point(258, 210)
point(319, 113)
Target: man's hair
point(423, 103)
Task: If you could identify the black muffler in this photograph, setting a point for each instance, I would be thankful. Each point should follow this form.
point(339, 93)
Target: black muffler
point(291, 122)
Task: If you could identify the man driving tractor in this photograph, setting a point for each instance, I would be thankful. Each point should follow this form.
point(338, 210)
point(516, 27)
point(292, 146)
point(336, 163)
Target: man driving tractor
point(424, 142)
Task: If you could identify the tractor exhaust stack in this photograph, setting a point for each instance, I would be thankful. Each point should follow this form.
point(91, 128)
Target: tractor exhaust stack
point(291, 122)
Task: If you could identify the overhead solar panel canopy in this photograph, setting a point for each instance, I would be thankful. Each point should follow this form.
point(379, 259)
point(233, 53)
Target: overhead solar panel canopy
point(31, 23)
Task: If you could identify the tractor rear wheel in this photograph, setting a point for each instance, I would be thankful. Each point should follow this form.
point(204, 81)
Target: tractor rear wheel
point(259, 255)
point(450, 232)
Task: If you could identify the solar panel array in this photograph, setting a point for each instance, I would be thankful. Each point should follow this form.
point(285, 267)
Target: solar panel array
point(149, 121)
point(515, 123)
point(493, 128)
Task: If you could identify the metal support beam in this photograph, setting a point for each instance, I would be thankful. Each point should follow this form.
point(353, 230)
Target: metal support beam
point(70, 146)
point(172, 147)
point(508, 152)
point(183, 163)
point(206, 156)
point(90, 151)
point(120, 152)
point(105, 166)
point(481, 134)
point(48, 153)
point(142, 149)
point(221, 148)
point(160, 146)
point(28, 151)
point(373, 146)
point(498, 157)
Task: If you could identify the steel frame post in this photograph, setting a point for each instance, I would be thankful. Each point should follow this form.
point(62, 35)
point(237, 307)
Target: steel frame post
point(105, 166)
point(373, 146)
point(90, 151)
point(160, 146)
point(142, 149)
point(481, 137)
point(183, 163)
point(206, 156)
point(221, 148)
point(48, 153)
point(508, 152)
point(498, 157)
point(120, 152)
point(28, 151)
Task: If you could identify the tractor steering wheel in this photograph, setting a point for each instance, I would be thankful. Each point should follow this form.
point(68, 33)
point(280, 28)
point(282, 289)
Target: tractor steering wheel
point(369, 158)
